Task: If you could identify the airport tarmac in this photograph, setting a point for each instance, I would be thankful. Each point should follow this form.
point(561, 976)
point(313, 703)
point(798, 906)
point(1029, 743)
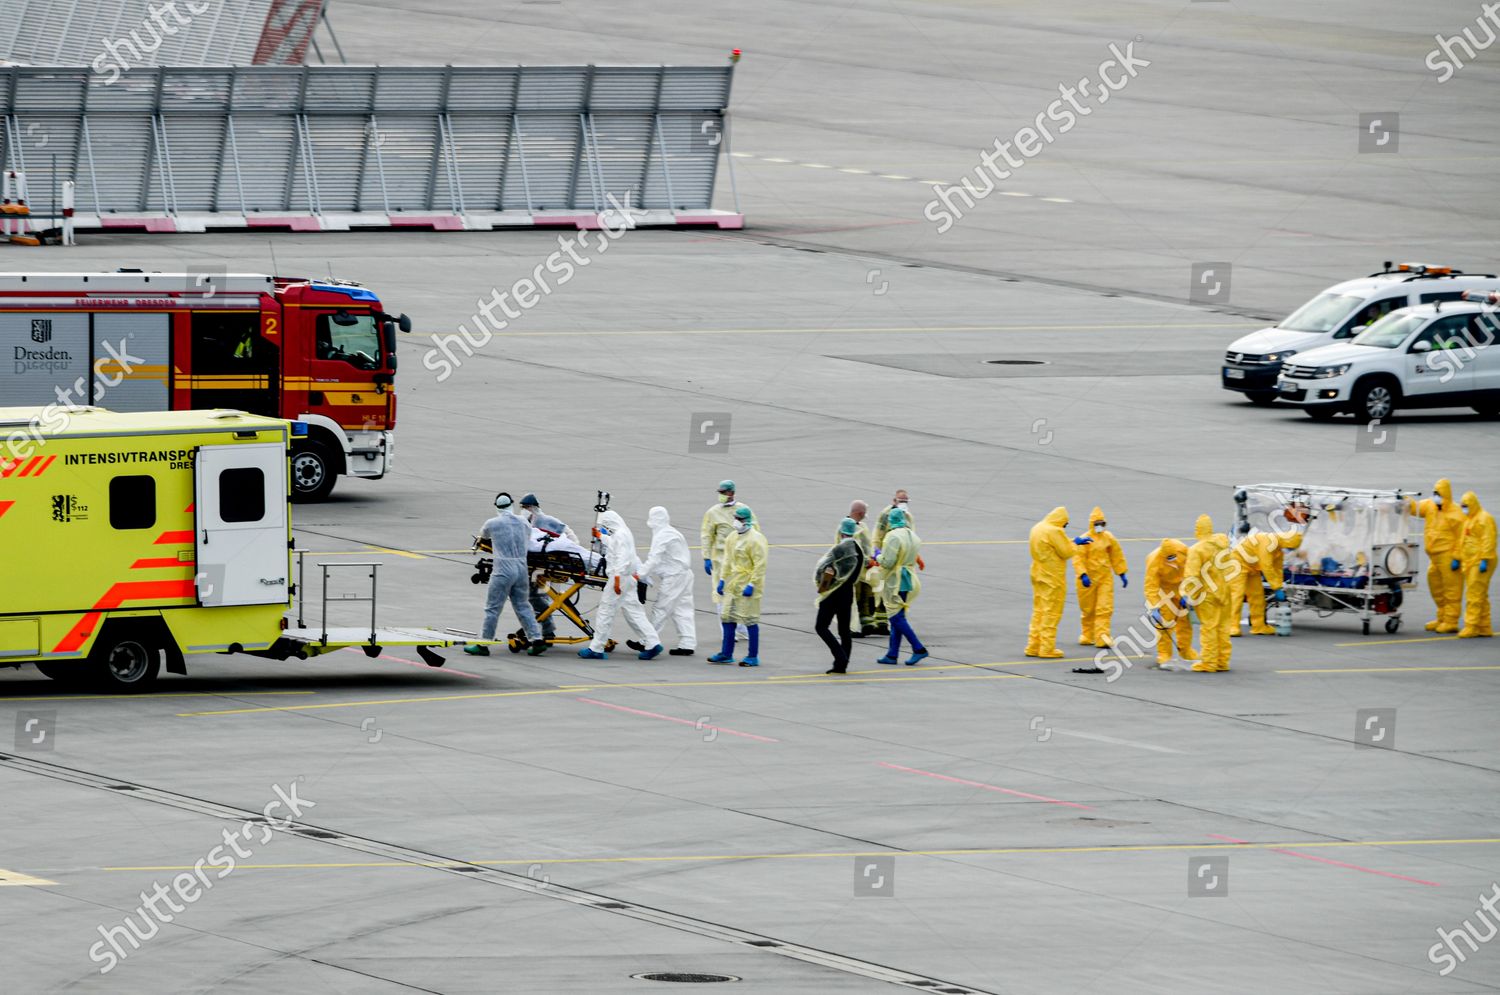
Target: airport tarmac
point(541, 825)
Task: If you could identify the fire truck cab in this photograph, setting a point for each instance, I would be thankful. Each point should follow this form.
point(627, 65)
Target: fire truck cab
point(321, 352)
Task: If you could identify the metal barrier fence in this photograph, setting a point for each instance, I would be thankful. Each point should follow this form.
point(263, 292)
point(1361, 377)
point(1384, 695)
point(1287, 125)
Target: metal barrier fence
point(334, 147)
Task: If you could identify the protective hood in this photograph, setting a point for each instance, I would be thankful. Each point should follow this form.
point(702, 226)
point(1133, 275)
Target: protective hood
point(1058, 517)
point(658, 518)
point(1472, 500)
point(1097, 515)
point(1204, 528)
point(611, 520)
point(1290, 540)
point(1174, 547)
point(1444, 489)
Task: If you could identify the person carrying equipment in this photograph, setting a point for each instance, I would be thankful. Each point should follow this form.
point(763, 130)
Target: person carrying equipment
point(741, 587)
point(1096, 593)
point(1050, 552)
point(1208, 585)
point(620, 593)
point(837, 578)
point(1164, 571)
point(1477, 549)
point(1443, 527)
point(1261, 564)
point(900, 559)
point(509, 579)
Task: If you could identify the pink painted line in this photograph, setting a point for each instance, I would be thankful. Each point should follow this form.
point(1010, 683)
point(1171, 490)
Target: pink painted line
point(685, 722)
point(417, 663)
point(1335, 863)
point(986, 787)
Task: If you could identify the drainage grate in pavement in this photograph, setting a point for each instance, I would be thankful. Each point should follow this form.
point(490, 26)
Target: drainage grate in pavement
point(692, 979)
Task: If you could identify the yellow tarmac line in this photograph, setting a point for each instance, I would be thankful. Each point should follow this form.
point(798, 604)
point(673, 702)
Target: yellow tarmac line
point(19, 880)
point(397, 552)
point(1152, 326)
point(1397, 642)
point(420, 554)
point(1383, 670)
point(162, 694)
point(840, 854)
point(573, 689)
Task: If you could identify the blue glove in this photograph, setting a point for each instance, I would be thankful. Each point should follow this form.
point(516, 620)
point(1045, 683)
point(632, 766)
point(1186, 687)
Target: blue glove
point(877, 554)
point(1280, 594)
point(1484, 566)
point(708, 566)
point(1454, 565)
point(748, 592)
point(1082, 541)
point(1157, 619)
point(1182, 602)
point(1084, 580)
point(1124, 580)
point(720, 588)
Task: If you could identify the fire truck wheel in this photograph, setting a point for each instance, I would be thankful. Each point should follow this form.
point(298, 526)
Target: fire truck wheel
point(126, 659)
point(313, 473)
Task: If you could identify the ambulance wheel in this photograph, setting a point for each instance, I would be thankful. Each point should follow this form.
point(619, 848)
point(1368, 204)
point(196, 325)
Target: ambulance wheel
point(1392, 624)
point(313, 472)
point(126, 659)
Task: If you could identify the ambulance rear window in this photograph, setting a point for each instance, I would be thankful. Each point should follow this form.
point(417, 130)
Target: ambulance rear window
point(242, 494)
point(132, 502)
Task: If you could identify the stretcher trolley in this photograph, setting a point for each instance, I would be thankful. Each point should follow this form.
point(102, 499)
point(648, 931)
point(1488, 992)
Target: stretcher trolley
point(560, 576)
point(1360, 552)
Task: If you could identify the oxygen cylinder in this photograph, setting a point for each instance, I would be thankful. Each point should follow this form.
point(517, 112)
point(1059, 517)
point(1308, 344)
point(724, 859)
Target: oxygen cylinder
point(1279, 617)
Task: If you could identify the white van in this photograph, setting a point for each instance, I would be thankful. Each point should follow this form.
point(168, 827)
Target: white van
point(1253, 362)
point(1429, 356)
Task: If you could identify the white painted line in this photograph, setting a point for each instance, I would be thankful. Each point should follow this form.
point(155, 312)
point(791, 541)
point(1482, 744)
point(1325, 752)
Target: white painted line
point(770, 159)
point(743, 155)
point(1117, 742)
point(863, 172)
point(814, 165)
point(934, 183)
point(1013, 193)
point(1057, 200)
point(893, 176)
point(17, 879)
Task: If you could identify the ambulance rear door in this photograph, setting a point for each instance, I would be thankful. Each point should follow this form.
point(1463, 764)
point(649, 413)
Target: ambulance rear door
point(241, 507)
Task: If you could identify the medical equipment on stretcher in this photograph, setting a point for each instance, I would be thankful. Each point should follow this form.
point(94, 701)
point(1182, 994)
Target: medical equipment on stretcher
point(558, 575)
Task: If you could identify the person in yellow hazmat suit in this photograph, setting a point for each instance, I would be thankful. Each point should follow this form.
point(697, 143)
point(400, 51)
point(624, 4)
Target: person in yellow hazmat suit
point(1208, 587)
point(1050, 552)
point(1442, 527)
point(1096, 591)
point(1164, 570)
point(1477, 560)
point(1261, 564)
point(718, 525)
point(900, 559)
point(742, 586)
point(883, 612)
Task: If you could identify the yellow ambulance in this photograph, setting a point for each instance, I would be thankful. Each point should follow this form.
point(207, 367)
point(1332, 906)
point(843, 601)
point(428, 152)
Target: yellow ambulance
point(133, 539)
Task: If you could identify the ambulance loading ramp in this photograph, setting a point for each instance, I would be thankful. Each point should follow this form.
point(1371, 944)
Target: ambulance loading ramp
point(329, 148)
point(113, 35)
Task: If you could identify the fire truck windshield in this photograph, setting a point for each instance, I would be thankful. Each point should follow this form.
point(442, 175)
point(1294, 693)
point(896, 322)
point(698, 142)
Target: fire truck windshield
point(352, 338)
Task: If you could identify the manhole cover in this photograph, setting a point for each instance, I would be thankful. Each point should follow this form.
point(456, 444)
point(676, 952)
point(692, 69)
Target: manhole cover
point(691, 979)
point(1016, 362)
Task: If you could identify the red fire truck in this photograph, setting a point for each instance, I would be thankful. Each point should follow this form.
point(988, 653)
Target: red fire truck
point(315, 351)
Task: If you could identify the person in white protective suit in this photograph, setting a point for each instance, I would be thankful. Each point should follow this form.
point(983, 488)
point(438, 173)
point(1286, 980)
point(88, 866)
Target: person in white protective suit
point(668, 568)
point(620, 591)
